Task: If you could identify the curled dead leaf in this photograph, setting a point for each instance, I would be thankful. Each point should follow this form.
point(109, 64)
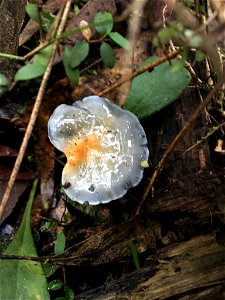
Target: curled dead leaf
point(85, 30)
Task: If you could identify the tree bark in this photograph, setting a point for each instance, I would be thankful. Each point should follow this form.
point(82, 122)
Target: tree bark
point(12, 16)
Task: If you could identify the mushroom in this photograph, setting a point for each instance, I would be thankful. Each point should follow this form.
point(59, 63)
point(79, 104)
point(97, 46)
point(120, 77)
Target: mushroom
point(104, 146)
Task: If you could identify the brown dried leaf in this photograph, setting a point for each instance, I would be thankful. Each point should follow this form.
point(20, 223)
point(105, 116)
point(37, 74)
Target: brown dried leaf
point(6, 167)
point(7, 151)
point(18, 188)
point(61, 214)
point(85, 30)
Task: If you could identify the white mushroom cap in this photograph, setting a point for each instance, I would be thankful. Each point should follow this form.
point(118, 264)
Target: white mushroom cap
point(104, 146)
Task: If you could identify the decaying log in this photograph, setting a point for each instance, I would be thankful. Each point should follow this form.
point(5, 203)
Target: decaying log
point(189, 270)
point(111, 245)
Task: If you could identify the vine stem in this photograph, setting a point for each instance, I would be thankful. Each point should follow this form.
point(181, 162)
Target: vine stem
point(59, 27)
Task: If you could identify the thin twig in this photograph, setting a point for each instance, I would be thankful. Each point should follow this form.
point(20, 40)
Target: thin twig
point(64, 11)
point(149, 67)
point(177, 139)
point(127, 59)
point(43, 259)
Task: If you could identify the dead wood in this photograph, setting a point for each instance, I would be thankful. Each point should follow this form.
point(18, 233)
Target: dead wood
point(111, 245)
point(189, 270)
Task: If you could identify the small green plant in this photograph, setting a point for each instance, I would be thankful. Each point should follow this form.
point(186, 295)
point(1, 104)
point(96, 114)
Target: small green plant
point(60, 243)
point(149, 93)
point(49, 269)
point(186, 37)
point(40, 16)
point(72, 57)
point(28, 280)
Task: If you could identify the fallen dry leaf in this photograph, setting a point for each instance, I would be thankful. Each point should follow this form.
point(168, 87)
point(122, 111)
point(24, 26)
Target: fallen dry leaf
point(18, 189)
point(7, 151)
point(6, 169)
point(85, 30)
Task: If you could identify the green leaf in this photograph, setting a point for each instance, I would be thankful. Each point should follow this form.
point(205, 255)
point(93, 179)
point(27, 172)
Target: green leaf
point(29, 71)
point(73, 74)
point(3, 80)
point(32, 11)
point(199, 55)
point(178, 65)
point(107, 55)
point(46, 18)
point(60, 243)
point(66, 56)
point(2, 89)
point(23, 279)
point(49, 269)
point(119, 39)
point(166, 33)
point(78, 53)
point(103, 22)
point(43, 56)
point(69, 293)
point(202, 10)
point(134, 254)
point(55, 285)
point(49, 226)
point(144, 164)
point(152, 91)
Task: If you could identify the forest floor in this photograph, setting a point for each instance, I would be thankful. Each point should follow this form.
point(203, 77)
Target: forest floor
point(165, 239)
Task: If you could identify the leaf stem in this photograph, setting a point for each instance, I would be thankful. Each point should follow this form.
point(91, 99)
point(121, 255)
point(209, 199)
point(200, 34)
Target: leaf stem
point(11, 56)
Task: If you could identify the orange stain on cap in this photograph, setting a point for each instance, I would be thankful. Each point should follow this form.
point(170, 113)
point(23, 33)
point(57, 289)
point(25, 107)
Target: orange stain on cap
point(77, 152)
